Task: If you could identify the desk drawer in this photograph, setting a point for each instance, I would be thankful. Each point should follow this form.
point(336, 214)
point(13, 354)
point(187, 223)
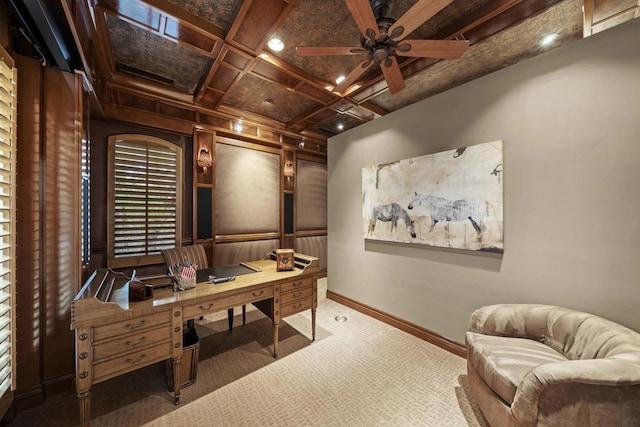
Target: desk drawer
point(296, 295)
point(131, 342)
point(296, 284)
point(131, 325)
point(217, 304)
point(131, 361)
point(295, 307)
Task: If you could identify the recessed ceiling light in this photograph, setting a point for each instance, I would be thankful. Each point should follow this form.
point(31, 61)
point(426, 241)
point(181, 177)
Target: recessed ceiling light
point(264, 56)
point(548, 39)
point(340, 126)
point(329, 88)
point(237, 127)
point(276, 44)
point(340, 79)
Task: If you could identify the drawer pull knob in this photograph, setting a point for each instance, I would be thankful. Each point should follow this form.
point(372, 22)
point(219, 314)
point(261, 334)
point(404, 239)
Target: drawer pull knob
point(296, 284)
point(131, 344)
point(84, 355)
point(83, 337)
point(136, 361)
point(207, 308)
point(257, 294)
point(84, 374)
point(130, 327)
point(297, 306)
point(297, 295)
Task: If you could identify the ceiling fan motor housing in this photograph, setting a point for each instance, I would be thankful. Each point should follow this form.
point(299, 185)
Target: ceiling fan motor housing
point(380, 8)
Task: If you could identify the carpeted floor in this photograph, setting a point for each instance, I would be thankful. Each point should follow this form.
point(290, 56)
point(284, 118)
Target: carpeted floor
point(359, 372)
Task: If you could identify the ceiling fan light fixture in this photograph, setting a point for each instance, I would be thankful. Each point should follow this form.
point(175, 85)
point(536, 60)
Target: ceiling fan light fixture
point(275, 44)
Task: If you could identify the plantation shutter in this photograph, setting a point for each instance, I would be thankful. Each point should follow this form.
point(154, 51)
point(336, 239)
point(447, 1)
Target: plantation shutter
point(7, 222)
point(146, 198)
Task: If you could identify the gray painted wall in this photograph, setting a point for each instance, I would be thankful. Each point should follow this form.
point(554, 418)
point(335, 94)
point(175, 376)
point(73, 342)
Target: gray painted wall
point(570, 122)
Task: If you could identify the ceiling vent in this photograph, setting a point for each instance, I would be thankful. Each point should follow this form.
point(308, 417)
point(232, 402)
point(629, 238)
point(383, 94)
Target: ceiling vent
point(127, 69)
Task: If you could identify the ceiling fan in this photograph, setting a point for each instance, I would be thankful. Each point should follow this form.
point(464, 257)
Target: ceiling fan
point(382, 40)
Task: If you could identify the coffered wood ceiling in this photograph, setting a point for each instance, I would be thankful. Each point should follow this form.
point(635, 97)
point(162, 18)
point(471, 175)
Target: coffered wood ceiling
point(202, 60)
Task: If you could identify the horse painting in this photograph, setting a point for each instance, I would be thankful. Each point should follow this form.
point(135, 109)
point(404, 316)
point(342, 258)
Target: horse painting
point(441, 209)
point(391, 212)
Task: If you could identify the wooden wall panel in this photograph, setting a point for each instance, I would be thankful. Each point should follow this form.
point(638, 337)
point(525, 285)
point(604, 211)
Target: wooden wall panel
point(48, 264)
point(28, 367)
point(61, 267)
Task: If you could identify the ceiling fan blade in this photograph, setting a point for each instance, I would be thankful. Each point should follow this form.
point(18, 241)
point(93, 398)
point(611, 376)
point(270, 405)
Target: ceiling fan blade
point(326, 50)
point(393, 75)
point(363, 15)
point(445, 49)
point(417, 15)
point(353, 75)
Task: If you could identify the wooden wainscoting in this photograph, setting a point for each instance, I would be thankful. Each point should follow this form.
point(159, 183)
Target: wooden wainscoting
point(415, 330)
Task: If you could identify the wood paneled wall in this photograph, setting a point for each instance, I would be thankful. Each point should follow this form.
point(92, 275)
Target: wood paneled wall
point(48, 267)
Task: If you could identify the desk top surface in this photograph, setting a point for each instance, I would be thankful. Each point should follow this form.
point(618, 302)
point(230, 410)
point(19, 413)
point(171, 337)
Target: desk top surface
point(87, 307)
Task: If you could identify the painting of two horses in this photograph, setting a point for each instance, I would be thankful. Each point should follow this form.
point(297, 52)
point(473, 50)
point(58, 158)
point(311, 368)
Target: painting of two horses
point(451, 199)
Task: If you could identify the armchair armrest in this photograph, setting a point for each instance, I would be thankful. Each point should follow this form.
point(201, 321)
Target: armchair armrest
point(619, 370)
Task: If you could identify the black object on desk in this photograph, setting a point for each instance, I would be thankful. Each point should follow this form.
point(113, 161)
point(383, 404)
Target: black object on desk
point(226, 272)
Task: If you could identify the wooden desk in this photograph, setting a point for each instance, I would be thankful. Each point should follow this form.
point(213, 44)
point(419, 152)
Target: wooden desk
point(115, 336)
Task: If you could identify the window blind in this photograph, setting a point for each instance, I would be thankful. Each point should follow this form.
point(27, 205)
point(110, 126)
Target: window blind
point(7, 222)
point(146, 197)
point(85, 207)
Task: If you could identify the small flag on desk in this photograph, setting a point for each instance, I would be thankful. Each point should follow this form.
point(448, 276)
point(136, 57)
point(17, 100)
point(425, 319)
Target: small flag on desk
point(187, 271)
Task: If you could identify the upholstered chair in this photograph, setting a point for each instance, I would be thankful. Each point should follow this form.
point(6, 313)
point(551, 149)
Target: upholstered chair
point(196, 256)
point(543, 365)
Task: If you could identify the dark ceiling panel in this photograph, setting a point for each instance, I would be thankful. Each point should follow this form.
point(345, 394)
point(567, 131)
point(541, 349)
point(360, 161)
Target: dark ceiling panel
point(220, 13)
point(268, 99)
point(151, 53)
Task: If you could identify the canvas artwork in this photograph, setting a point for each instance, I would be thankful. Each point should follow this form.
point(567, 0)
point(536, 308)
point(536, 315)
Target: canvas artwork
point(451, 199)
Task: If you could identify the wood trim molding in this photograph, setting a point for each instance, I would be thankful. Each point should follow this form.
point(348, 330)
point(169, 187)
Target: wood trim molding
point(403, 325)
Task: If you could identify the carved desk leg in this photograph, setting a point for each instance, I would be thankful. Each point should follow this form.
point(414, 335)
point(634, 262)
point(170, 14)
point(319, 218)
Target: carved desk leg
point(84, 373)
point(276, 328)
point(313, 324)
point(177, 335)
point(175, 366)
point(276, 319)
point(85, 407)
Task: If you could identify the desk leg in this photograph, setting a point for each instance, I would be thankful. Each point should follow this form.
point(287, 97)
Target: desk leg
point(313, 324)
point(175, 367)
point(85, 407)
point(276, 329)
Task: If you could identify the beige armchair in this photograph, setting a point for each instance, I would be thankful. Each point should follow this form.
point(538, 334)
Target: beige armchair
point(531, 365)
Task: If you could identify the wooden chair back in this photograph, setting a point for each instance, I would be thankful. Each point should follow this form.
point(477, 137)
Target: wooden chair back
point(194, 254)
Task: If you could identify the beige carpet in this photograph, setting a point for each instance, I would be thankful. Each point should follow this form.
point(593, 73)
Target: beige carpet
point(357, 373)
